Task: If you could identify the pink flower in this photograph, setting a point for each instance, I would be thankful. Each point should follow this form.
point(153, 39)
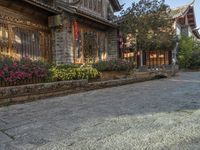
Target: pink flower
point(1, 73)
point(5, 67)
point(14, 65)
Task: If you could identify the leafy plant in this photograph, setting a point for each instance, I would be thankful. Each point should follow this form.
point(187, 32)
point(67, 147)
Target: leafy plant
point(114, 65)
point(188, 52)
point(61, 73)
point(195, 60)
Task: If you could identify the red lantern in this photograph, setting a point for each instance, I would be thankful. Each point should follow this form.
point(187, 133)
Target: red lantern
point(75, 30)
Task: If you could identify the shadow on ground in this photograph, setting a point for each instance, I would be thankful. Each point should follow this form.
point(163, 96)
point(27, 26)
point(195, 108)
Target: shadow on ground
point(150, 115)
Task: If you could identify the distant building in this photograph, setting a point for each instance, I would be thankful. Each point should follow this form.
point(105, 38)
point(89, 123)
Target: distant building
point(185, 21)
point(184, 25)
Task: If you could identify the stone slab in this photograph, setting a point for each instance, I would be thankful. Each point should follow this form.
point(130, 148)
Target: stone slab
point(4, 138)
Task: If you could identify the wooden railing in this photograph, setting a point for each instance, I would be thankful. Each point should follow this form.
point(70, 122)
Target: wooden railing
point(22, 82)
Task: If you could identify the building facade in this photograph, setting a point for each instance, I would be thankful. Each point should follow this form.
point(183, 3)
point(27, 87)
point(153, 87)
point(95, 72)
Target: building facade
point(60, 31)
point(88, 33)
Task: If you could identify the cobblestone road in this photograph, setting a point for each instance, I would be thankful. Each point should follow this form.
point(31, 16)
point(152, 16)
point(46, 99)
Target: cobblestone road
point(160, 114)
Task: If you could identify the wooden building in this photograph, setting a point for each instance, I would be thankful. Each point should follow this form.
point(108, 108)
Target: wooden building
point(185, 21)
point(63, 31)
point(150, 58)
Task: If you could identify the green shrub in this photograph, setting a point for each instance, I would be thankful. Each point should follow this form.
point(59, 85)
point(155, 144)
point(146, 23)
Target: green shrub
point(185, 52)
point(195, 61)
point(188, 55)
point(62, 73)
point(114, 65)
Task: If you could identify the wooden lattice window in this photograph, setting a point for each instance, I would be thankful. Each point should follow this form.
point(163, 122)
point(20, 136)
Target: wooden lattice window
point(4, 38)
point(90, 46)
point(26, 43)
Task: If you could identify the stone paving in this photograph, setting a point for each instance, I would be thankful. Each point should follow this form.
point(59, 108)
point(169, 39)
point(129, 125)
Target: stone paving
point(160, 114)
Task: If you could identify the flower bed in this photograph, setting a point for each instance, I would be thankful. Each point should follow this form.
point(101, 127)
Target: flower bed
point(25, 71)
point(17, 72)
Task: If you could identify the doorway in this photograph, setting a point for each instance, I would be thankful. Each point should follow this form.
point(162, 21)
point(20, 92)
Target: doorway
point(90, 47)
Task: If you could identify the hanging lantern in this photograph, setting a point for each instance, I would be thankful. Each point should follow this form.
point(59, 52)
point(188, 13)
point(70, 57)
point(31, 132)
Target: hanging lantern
point(75, 30)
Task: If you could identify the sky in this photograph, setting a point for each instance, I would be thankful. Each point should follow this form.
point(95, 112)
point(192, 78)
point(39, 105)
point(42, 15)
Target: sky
point(173, 4)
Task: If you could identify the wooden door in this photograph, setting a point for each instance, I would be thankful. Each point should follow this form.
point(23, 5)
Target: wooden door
point(90, 47)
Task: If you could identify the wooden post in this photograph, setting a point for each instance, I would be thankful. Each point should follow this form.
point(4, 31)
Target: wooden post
point(82, 42)
point(141, 58)
point(10, 50)
point(74, 42)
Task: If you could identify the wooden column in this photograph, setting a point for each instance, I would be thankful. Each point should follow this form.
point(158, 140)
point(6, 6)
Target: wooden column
point(10, 50)
point(82, 42)
point(74, 42)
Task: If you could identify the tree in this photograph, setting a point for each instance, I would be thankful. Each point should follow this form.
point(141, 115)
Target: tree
point(149, 22)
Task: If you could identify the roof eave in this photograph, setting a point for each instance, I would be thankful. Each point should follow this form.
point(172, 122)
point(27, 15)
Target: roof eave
point(50, 9)
point(106, 23)
point(197, 35)
point(116, 5)
point(76, 11)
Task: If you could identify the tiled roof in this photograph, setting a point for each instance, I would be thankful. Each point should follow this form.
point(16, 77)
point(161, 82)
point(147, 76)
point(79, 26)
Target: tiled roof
point(87, 14)
point(40, 4)
point(98, 18)
point(181, 11)
point(185, 10)
point(196, 33)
